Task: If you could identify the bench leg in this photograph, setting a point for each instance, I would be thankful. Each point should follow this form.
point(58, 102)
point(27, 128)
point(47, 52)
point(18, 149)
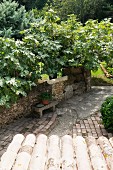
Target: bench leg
point(40, 113)
point(53, 108)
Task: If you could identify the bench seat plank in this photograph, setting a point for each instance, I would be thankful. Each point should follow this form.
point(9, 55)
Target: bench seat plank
point(45, 107)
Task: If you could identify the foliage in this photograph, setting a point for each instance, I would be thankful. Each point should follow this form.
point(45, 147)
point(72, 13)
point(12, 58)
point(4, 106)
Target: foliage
point(109, 66)
point(48, 46)
point(110, 70)
point(107, 113)
point(46, 96)
point(40, 40)
point(19, 70)
point(97, 72)
point(30, 4)
point(69, 43)
point(52, 41)
point(99, 78)
point(84, 9)
point(13, 19)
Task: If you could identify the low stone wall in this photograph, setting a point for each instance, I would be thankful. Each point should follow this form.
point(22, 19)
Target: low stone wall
point(75, 82)
point(58, 87)
point(24, 106)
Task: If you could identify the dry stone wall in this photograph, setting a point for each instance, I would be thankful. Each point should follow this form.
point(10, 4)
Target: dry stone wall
point(24, 106)
point(75, 82)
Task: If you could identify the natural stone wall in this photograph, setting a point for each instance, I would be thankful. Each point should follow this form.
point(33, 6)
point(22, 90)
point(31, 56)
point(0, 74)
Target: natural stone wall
point(87, 78)
point(24, 106)
point(58, 86)
point(75, 82)
point(79, 81)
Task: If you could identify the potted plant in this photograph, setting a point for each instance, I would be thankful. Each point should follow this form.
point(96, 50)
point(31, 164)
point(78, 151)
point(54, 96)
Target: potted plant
point(45, 98)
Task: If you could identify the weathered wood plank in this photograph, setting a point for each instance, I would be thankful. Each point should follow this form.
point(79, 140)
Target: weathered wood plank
point(8, 158)
point(81, 150)
point(97, 159)
point(39, 155)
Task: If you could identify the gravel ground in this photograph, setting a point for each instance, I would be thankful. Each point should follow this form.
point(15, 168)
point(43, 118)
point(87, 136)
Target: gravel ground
point(65, 122)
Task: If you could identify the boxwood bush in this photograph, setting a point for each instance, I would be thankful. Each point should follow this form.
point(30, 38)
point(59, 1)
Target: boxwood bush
point(107, 113)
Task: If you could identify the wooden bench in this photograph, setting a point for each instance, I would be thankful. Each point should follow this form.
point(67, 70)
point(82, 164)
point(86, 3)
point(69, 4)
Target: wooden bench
point(45, 107)
point(54, 153)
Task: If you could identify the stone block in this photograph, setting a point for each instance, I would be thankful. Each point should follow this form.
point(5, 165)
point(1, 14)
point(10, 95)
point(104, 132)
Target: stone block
point(75, 86)
point(68, 92)
point(72, 70)
point(79, 91)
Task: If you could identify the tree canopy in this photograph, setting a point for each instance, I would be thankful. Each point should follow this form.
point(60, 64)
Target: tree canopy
point(84, 9)
point(30, 4)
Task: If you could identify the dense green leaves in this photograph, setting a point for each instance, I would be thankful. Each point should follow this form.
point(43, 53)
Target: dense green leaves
point(48, 46)
point(18, 70)
point(29, 4)
point(70, 42)
point(84, 9)
point(13, 19)
point(107, 113)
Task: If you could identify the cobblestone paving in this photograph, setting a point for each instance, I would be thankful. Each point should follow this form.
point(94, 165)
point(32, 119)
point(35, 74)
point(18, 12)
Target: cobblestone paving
point(77, 116)
point(26, 126)
point(91, 126)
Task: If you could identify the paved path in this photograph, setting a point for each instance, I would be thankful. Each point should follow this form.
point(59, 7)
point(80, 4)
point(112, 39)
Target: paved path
point(74, 118)
point(25, 126)
point(80, 107)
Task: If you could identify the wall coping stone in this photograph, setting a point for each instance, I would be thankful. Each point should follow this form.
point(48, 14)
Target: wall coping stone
point(53, 81)
point(57, 80)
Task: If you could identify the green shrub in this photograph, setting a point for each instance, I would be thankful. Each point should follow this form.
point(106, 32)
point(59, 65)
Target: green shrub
point(13, 19)
point(46, 96)
point(107, 113)
point(18, 71)
point(110, 70)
